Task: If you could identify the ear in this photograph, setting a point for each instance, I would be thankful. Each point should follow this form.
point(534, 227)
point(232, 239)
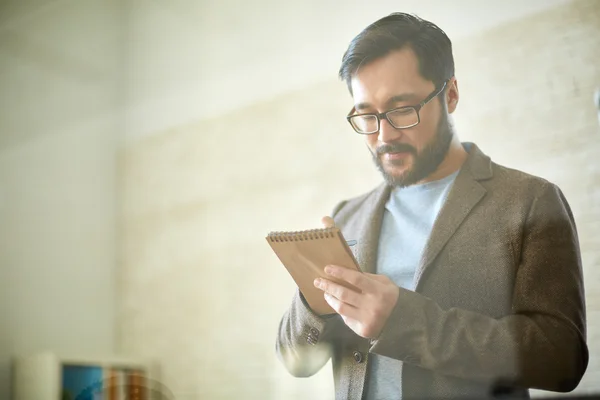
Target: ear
point(452, 95)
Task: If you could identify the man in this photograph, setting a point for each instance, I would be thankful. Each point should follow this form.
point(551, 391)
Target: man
point(472, 281)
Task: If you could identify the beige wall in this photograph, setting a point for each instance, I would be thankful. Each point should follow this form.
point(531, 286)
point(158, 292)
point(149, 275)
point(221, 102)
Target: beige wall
point(59, 129)
point(200, 288)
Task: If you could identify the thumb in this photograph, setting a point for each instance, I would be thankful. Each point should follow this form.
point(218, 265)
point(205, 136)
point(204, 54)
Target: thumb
point(327, 222)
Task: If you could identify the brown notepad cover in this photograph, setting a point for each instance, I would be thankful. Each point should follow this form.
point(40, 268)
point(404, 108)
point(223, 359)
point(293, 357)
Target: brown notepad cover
point(305, 254)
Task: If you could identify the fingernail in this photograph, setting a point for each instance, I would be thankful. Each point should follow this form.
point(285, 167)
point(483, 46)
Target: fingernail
point(328, 270)
point(317, 282)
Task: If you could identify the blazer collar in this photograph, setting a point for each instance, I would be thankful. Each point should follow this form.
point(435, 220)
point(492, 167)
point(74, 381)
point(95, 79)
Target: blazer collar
point(478, 164)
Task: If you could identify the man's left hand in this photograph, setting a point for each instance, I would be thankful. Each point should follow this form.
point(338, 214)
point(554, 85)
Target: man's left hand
point(367, 311)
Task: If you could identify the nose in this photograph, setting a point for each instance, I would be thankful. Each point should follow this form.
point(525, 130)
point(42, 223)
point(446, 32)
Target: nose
point(387, 133)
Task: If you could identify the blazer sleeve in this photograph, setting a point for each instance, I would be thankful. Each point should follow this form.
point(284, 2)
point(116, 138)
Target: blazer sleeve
point(305, 339)
point(541, 344)
point(304, 343)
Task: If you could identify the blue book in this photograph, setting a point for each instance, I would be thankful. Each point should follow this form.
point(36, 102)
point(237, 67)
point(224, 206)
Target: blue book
point(82, 382)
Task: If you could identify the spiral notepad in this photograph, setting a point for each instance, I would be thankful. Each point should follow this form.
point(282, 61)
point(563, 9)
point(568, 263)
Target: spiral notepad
point(306, 253)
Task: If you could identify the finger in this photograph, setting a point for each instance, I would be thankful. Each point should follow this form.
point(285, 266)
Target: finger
point(327, 222)
point(353, 277)
point(346, 310)
point(338, 291)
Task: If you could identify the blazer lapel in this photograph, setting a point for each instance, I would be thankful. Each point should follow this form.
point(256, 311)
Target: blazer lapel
point(465, 193)
point(369, 228)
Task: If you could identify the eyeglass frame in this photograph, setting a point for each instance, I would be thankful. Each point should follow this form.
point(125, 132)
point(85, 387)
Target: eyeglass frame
point(436, 92)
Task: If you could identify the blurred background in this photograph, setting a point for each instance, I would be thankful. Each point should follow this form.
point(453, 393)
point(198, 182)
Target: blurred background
point(148, 146)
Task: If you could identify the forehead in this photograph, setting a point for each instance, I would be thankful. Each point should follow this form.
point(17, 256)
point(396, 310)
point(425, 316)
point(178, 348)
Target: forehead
point(394, 74)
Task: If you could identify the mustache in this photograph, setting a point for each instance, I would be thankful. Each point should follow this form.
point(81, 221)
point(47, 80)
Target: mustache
point(396, 148)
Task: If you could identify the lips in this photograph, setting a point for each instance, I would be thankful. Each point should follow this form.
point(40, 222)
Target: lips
point(401, 155)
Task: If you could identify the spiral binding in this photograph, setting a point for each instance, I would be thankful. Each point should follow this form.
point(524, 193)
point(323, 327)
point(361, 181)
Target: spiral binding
point(296, 236)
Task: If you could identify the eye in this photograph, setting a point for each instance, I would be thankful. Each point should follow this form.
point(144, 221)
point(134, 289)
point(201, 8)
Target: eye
point(364, 123)
point(403, 117)
point(402, 111)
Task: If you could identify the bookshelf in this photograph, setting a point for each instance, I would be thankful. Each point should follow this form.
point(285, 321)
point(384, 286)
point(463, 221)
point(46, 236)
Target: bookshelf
point(59, 377)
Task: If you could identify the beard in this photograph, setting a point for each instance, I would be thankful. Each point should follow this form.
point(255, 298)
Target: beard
point(424, 162)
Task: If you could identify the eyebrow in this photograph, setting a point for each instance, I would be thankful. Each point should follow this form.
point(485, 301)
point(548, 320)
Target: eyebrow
point(392, 100)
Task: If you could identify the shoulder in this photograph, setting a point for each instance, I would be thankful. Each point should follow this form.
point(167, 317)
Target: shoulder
point(500, 180)
point(359, 204)
point(522, 194)
point(515, 182)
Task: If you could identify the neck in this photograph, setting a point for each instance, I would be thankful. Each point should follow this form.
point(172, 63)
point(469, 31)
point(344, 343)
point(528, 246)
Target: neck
point(454, 159)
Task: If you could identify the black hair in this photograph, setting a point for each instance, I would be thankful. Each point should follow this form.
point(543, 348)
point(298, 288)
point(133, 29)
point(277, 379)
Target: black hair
point(431, 45)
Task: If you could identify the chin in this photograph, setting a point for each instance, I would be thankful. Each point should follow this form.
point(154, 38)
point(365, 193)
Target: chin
point(397, 171)
point(397, 176)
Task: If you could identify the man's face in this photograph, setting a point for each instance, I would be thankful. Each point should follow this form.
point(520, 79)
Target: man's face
point(404, 156)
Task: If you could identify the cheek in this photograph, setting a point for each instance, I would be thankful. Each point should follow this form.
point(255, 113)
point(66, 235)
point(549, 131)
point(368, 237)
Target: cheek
point(426, 130)
point(371, 141)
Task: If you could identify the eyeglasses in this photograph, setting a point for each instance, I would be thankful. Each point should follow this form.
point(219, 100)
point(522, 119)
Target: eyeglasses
point(399, 118)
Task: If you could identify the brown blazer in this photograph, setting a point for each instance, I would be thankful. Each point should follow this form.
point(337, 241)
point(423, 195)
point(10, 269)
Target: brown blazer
point(499, 299)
